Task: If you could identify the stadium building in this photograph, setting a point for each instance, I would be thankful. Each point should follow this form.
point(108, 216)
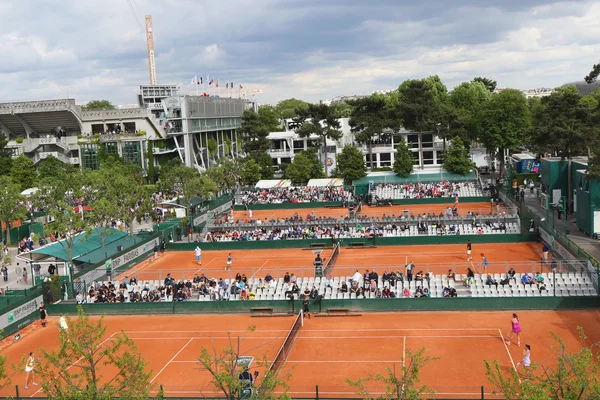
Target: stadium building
point(198, 130)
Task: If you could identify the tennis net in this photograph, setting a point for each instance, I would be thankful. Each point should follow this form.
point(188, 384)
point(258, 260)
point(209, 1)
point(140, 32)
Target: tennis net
point(288, 343)
point(331, 263)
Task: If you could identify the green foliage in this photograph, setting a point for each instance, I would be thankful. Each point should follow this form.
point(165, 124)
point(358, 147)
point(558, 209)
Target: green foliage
point(568, 375)
point(504, 122)
point(342, 110)
point(5, 155)
point(52, 167)
point(462, 111)
point(19, 140)
point(191, 184)
point(320, 121)
point(594, 73)
point(53, 284)
point(11, 203)
point(269, 117)
point(403, 386)
point(420, 103)
point(287, 108)
point(87, 366)
point(265, 162)
point(212, 146)
point(98, 105)
point(250, 173)
point(23, 172)
point(225, 372)
point(351, 164)
point(226, 175)
point(489, 84)
point(457, 159)
point(403, 160)
point(254, 132)
point(141, 133)
point(305, 166)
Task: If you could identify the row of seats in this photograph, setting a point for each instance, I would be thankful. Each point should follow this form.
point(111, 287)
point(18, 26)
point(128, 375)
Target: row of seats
point(387, 192)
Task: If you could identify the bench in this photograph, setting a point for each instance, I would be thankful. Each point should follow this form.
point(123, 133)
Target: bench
point(338, 310)
point(261, 310)
point(357, 244)
point(317, 245)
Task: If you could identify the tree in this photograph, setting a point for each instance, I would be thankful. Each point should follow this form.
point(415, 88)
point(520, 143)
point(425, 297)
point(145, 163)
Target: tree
point(462, 111)
point(5, 155)
point(98, 105)
point(88, 366)
point(403, 160)
point(11, 204)
point(254, 132)
point(351, 164)
point(457, 159)
point(269, 117)
point(567, 375)
point(23, 172)
point(227, 174)
point(369, 117)
point(305, 166)
point(592, 101)
point(265, 162)
point(405, 386)
point(250, 173)
point(224, 370)
point(52, 167)
point(287, 108)
point(342, 110)
point(504, 123)
point(420, 105)
point(594, 73)
point(563, 126)
point(319, 121)
point(489, 84)
point(191, 183)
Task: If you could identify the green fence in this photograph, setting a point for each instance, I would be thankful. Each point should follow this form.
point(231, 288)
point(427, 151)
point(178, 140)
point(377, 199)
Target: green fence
point(20, 310)
point(359, 305)
point(385, 241)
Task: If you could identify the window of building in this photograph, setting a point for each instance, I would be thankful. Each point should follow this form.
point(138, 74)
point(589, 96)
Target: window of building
point(412, 141)
point(427, 140)
point(89, 156)
point(385, 160)
point(298, 145)
point(439, 157)
point(132, 153)
point(416, 158)
point(97, 128)
point(428, 158)
point(111, 148)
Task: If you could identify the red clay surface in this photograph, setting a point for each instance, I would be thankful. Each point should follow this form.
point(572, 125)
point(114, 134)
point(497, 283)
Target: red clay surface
point(329, 350)
point(437, 259)
point(481, 208)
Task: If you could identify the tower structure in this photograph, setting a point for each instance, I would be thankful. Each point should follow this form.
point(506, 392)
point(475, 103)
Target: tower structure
point(151, 56)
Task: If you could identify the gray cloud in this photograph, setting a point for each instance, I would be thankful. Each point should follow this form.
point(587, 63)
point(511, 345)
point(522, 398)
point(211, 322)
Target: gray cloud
point(312, 49)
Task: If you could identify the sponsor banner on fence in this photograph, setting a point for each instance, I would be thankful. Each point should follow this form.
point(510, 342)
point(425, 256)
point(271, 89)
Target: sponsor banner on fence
point(133, 254)
point(20, 312)
point(215, 213)
point(546, 237)
point(564, 253)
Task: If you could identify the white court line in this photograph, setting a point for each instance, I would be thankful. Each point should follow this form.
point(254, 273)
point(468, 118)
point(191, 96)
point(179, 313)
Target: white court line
point(404, 353)
point(265, 263)
point(508, 351)
point(80, 358)
point(203, 266)
point(326, 337)
point(171, 360)
point(312, 361)
point(326, 330)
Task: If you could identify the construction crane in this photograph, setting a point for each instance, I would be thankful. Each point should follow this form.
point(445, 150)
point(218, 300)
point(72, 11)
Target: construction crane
point(151, 56)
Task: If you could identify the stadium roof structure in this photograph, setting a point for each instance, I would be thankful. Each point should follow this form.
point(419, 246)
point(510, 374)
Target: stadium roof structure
point(425, 177)
point(83, 244)
point(273, 183)
point(332, 182)
point(22, 118)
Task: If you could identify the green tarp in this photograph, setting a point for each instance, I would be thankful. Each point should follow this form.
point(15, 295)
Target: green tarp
point(82, 245)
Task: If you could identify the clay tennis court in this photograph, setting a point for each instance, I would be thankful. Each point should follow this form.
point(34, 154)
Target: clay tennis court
point(481, 208)
point(437, 259)
point(329, 350)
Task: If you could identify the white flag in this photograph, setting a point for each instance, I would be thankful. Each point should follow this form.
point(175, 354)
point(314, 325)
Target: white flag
point(194, 80)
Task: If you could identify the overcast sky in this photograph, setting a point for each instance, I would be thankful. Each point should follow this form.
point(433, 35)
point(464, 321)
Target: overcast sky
point(308, 49)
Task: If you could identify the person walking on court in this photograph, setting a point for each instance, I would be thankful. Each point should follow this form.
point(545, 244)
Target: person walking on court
point(198, 252)
point(545, 250)
point(306, 302)
point(409, 271)
point(484, 263)
point(515, 329)
point(526, 361)
point(43, 313)
point(469, 258)
point(29, 366)
point(229, 262)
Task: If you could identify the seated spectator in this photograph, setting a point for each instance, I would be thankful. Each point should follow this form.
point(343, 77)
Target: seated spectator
point(385, 277)
point(372, 285)
point(314, 293)
point(222, 284)
point(419, 276)
point(419, 292)
point(406, 293)
point(268, 278)
point(251, 294)
point(539, 279)
point(453, 292)
point(426, 292)
point(293, 278)
point(470, 277)
point(286, 278)
point(451, 275)
point(344, 287)
point(527, 279)
point(386, 294)
point(356, 277)
point(169, 280)
point(446, 292)
point(295, 288)
point(505, 281)
point(378, 294)
point(79, 298)
point(244, 294)
point(330, 281)
point(511, 274)
point(491, 281)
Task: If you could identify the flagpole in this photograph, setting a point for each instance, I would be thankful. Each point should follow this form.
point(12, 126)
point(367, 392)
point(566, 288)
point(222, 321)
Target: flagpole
point(196, 86)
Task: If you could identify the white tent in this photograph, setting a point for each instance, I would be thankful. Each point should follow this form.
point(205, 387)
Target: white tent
point(333, 182)
point(29, 192)
point(273, 183)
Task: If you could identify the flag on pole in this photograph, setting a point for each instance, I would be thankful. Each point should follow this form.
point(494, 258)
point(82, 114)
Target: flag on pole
point(227, 85)
point(210, 82)
point(195, 79)
point(241, 87)
point(217, 84)
point(231, 85)
point(200, 80)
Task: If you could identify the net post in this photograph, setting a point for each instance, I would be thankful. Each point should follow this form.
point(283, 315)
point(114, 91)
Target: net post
point(317, 392)
point(482, 393)
point(17, 392)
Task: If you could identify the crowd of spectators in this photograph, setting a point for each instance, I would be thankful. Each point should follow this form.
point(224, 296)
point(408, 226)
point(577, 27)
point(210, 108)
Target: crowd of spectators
point(427, 190)
point(294, 195)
